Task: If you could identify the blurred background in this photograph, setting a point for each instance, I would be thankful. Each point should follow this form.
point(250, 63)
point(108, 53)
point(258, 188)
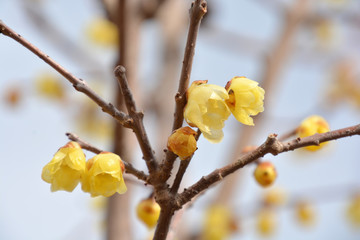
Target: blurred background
point(304, 53)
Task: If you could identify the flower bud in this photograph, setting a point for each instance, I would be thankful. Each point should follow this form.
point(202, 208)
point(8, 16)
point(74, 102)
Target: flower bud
point(148, 211)
point(246, 99)
point(206, 109)
point(310, 126)
point(305, 213)
point(104, 175)
point(265, 174)
point(182, 142)
point(63, 172)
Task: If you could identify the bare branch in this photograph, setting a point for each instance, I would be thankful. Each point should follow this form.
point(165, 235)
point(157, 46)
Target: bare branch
point(137, 117)
point(129, 168)
point(271, 145)
point(79, 84)
point(197, 11)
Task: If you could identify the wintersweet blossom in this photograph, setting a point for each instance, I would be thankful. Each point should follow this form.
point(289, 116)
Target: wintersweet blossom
point(266, 222)
point(246, 99)
point(182, 142)
point(50, 86)
point(63, 172)
point(206, 109)
point(353, 211)
point(219, 223)
point(103, 32)
point(104, 175)
point(310, 126)
point(148, 211)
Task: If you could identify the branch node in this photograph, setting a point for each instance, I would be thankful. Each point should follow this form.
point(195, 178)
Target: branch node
point(119, 71)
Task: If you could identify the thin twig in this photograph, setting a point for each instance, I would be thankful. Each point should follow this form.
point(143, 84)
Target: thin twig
point(197, 11)
point(137, 117)
point(271, 145)
point(275, 64)
point(179, 175)
point(129, 168)
point(79, 84)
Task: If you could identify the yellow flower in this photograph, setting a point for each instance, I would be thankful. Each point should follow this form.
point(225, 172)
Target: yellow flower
point(206, 109)
point(148, 211)
point(265, 174)
point(353, 211)
point(310, 126)
point(50, 86)
point(219, 223)
point(246, 99)
point(182, 142)
point(274, 197)
point(305, 213)
point(104, 175)
point(266, 221)
point(63, 172)
point(103, 32)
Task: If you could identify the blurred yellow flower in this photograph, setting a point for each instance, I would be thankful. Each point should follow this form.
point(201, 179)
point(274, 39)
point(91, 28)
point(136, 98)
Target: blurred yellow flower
point(310, 126)
point(104, 175)
point(353, 211)
point(266, 221)
point(206, 109)
point(103, 32)
point(63, 172)
point(148, 211)
point(90, 121)
point(305, 213)
point(13, 96)
point(182, 142)
point(246, 99)
point(50, 86)
point(275, 197)
point(218, 224)
point(325, 31)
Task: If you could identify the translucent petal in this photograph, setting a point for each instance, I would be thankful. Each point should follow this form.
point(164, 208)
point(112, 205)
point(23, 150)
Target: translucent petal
point(65, 179)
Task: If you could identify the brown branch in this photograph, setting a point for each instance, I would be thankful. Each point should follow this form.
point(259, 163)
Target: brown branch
point(64, 44)
point(163, 224)
point(137, 117)
point(271, 145)
point(197, 11)
point(79, 84)
point(180, 174)
point(275, 64)
point(129, 168)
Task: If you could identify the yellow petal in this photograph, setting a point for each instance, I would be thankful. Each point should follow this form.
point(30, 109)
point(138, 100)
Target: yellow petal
point(246, 99)
point(206, 109)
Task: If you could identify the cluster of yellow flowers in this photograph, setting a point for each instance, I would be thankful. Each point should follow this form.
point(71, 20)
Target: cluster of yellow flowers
point(100, 175)
point(209, 105)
